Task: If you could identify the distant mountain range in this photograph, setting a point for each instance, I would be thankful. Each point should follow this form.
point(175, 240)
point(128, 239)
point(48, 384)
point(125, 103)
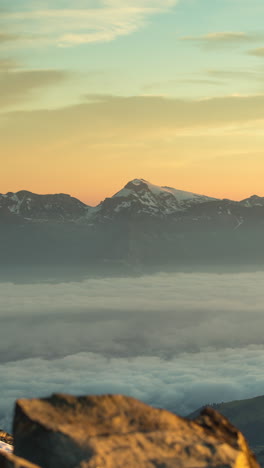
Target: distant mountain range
point(139, 198)
point(141, 224)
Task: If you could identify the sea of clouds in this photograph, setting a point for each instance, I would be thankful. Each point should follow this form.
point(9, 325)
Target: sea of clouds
point(177, 341)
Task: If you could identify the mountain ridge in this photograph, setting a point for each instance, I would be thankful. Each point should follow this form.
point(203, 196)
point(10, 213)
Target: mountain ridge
point(137, 197)
point(142, 225)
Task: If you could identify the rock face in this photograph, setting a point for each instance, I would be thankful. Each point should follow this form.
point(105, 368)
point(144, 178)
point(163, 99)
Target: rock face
point(114, 431)
point(248, 416)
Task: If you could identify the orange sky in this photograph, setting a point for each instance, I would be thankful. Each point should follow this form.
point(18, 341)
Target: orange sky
point(92, 150)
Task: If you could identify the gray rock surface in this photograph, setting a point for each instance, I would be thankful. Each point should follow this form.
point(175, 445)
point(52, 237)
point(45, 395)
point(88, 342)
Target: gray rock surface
point(114, 431)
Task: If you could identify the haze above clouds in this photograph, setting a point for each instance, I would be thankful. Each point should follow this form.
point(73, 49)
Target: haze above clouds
point(173, 340)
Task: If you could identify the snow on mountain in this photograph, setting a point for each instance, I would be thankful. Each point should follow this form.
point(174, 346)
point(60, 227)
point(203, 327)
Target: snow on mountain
point(138, 198)
point(35, 207)
point(140, 184)
point(142, 197)
point(253, 201)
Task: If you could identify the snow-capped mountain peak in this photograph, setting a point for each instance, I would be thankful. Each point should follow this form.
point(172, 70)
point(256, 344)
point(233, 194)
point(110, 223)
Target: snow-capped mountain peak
point(143, 197)
point(139, 185)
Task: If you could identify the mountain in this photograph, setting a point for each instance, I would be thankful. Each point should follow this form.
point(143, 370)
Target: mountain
point(33, 207)
point(137, 198)
point(141, 198)
point(144, 225)
point(248, 416)
point(255, 200)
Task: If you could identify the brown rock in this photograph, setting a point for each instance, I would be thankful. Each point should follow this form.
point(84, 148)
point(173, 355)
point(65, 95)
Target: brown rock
point(113, 431)
point(7, 438)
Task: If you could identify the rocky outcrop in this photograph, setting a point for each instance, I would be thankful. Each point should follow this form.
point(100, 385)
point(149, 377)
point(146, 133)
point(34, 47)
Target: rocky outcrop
point(7, 438)
point(247, 415)
point(115, 431)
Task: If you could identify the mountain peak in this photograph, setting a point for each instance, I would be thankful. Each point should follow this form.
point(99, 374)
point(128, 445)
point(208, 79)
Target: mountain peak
point(138, 182)
point(139, 185)
point(141, 197)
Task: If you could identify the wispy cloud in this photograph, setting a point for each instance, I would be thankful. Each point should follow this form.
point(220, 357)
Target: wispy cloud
point(18, 85)
point(182, 81)
point(257, 52)
point(115, 120)
point(242, 74)
point(7, 64)
point(104, 21)
point(126, 112)
point(224, 38)
point(5, 37)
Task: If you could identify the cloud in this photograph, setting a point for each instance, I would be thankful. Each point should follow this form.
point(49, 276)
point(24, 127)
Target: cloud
point(5, 37)
point(181, 81)
point(19, 85)
point(119, 116)
point(257, 52)
point(173, 340)
point(99, 22)
point(243, 74)
point(181, 385)
point(220, 39)
point(214, 77)
point(7, 64)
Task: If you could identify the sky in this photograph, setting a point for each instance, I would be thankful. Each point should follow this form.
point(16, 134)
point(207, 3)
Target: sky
point(95, 93)
point(177, 341)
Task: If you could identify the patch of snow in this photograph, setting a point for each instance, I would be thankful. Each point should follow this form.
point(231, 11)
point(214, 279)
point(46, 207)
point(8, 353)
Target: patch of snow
point(121, 206)
point(239, 223)
point(138, 181)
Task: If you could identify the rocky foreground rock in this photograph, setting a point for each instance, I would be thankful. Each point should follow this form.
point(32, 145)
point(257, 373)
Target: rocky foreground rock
point(114, 431)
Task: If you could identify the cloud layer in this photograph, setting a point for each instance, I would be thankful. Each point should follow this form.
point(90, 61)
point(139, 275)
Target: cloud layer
point(140, 113)
point(176, 341)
